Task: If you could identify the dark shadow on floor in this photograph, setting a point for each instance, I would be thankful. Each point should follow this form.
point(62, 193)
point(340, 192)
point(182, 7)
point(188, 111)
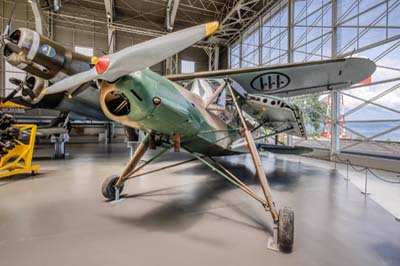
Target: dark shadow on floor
point(189, 204)
point(388, 252)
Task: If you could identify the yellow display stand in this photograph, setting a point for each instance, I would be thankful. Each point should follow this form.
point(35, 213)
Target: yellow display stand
point(19, 159)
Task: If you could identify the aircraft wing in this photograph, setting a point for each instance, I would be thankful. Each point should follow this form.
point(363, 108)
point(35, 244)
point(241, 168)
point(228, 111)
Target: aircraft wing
point(293, 79)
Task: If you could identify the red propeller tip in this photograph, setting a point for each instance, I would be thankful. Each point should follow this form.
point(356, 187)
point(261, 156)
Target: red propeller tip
point(102, 64)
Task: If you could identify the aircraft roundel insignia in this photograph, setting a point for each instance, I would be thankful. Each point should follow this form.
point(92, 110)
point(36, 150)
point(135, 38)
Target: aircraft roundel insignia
point(270, 81)
point(48, 50)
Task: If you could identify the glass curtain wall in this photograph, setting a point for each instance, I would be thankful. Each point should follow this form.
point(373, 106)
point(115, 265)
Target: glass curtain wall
point(321, 29)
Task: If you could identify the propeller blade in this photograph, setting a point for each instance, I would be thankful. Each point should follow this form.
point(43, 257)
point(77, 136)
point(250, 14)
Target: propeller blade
point(10, 19)
point(6, 34)
point(11, 95)
point(19, 85)
point(137, 57)
point(71, 82)
point(81, 88)
point(151, 52)
point(13, 47)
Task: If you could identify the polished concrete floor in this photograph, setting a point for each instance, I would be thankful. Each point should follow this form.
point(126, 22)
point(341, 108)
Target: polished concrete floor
point(186, 215)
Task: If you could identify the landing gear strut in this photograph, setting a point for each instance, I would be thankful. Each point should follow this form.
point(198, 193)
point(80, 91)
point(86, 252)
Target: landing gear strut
point(113, 185)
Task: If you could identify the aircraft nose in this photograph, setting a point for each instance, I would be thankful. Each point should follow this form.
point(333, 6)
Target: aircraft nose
point(117, 103)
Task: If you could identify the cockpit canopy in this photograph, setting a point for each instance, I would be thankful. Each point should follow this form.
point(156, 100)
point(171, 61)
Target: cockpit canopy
point(205, 88)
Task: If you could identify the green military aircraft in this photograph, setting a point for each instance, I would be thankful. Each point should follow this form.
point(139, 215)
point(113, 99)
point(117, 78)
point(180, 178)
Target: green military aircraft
point(214, 114)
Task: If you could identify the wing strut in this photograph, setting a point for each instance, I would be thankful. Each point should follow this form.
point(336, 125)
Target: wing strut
point(240, 143)
point(283, 229)
point(256, 158)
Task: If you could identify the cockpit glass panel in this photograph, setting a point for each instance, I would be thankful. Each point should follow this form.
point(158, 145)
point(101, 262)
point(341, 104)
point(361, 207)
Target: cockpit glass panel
point(205, 88)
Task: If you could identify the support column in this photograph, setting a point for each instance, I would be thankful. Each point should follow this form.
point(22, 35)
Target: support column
point(335, 128)
point(334, 29)
point(59, 145)
point(213, 56)
point(172, 9)
point(240, 50)
point(38, 18)
point(335, 96)
point(289, 140)
point(290, 30)
point(171, 65)
point(260, 41)
point(108, 132)
point(111, 40)
point(110, 14)
point(216, 57)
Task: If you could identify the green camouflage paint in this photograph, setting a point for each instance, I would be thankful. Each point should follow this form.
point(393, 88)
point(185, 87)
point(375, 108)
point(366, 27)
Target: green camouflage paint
point(179, 112)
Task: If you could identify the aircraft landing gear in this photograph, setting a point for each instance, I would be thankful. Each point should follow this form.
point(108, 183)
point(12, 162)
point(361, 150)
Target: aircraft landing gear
point(113, 185)
point(283, 235)
point(109, 190)
point(286, 228)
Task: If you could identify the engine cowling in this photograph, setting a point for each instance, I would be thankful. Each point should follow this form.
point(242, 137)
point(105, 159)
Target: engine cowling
point(43, 57)
point(36, 85)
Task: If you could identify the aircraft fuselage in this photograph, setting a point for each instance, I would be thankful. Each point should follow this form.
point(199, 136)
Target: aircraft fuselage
point(150, 102)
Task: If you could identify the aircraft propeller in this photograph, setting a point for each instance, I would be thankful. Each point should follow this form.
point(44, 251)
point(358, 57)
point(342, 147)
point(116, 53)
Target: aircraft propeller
point(135, 58)
point(5, 36)
point(21, 85)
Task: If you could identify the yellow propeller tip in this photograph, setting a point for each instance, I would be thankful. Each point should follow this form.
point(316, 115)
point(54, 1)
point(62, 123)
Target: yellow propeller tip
point(69, 96)
point(95, 60)
point(211, 27)
point(44, 91)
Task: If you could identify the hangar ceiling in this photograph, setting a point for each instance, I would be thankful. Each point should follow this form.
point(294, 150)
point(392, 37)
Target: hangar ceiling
point(149, 17)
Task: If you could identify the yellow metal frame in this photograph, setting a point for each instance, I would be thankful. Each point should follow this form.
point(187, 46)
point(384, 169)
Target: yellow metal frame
point(19, 159)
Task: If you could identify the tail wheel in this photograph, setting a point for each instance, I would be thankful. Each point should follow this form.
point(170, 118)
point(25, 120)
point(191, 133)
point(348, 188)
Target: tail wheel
point(108, 188)
point(286, 228)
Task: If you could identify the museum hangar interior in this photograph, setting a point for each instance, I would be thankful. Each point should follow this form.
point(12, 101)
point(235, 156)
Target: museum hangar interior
point(200, 132)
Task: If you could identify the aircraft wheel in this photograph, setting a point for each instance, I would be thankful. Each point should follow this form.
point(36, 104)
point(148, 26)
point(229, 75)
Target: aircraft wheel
point(286, 228)
point(108, 187)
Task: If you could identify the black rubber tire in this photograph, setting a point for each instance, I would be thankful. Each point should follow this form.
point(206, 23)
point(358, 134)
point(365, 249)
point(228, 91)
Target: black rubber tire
point(286, 228)
point(108, 187)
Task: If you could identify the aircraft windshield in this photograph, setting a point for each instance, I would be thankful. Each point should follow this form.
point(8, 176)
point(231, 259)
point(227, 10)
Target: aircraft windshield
point(206, 88)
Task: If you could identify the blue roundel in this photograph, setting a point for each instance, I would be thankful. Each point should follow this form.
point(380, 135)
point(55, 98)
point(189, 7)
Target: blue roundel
point(48, 50)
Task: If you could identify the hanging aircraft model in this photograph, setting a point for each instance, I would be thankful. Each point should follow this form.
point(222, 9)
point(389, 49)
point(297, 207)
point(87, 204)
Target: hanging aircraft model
point(214, 115)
